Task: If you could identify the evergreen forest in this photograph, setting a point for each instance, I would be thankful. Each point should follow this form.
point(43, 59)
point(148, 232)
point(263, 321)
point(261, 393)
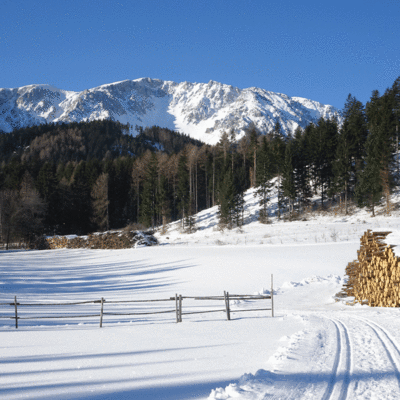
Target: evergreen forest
point(78, 178)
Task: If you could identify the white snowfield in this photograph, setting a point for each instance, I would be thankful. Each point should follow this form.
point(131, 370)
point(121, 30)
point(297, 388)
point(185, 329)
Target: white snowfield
point(314, 347)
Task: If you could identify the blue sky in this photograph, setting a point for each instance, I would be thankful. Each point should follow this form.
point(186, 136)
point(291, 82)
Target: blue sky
point(314, 49)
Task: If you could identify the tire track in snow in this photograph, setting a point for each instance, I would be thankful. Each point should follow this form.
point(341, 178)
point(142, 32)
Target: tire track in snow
point(339, 384)
point(388, 343)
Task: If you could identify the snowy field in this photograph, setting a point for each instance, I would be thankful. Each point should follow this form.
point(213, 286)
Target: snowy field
point(314, 347)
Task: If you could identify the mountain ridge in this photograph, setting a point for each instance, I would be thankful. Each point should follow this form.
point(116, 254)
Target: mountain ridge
point(200, 110)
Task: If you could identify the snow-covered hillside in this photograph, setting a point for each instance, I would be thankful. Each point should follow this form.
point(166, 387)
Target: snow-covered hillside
point(200, 110)
point(314, 347)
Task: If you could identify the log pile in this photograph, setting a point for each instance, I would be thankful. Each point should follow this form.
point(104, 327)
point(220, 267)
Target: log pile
point(57, 242)
point(106, 240)
point(374, 277)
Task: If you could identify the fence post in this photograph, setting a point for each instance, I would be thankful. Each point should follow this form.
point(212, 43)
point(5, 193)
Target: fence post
point(229, 306)
point(180, 308)
point(272, 294)
point(16, 312)
point(228, 311)
point(176, 307)
point(101, 313)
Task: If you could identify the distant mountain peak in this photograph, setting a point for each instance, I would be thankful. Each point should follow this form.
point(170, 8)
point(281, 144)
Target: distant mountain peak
point(200, 110)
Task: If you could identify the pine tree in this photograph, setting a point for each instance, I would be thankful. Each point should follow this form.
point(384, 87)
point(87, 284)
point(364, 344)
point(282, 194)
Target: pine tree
point(121, 209)
point(149, 194)
point(226, 200)
point(13, 172)
point(46, 183)
point(192, 153)
point(171, 170)
point(183, 196)
point(395, 97)
point(251, 144)
point(288, 179)
point(238, 197)
point(322, 139)
point(243, 149)
point(190, 222)
point(231, 198)
point(100, 202)
point(232, 140)
point(388, 125)
point(21, 212)
point(65, 224)
point(224, 144)
point(369, 187)
point(342, 170)
point(163, 201)
point(9, 206)
point(31, 210)
point(264, 176)
point(138, 175)
point(301, 165)
point(351, 147)
point(278, 144)
point(377, 175)
point(80, 200)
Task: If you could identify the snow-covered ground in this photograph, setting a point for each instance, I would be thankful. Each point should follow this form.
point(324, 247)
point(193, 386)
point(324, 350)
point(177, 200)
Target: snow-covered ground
point(314, 347)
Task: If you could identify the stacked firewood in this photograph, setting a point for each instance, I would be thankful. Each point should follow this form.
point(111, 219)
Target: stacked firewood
point(374, 277)
point(57, 242)
point(105, 240)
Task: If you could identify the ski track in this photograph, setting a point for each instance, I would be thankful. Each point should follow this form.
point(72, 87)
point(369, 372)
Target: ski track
point(343, 384)
point(340, 381)
point(357, 352)
point(388, 343)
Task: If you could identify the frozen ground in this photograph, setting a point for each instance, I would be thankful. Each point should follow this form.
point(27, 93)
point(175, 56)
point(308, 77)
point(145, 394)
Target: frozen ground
point(314, 347)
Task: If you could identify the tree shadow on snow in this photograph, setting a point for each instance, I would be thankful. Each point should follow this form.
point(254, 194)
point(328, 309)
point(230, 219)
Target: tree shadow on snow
point(77, 278)
point(95, 390)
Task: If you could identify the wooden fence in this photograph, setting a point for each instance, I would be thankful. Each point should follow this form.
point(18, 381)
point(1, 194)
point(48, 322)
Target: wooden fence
point(178, 311)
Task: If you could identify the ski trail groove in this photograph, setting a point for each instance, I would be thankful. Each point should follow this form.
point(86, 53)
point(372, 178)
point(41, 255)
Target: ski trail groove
point(391, 348)
point(339, 383)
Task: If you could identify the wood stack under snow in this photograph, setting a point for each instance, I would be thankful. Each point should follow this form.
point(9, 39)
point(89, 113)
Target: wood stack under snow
point(374, 278)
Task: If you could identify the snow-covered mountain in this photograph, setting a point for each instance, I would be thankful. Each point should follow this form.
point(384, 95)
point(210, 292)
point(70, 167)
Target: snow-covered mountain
point(200, 110)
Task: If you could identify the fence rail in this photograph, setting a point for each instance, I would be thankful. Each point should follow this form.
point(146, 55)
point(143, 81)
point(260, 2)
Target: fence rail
point(177, 299)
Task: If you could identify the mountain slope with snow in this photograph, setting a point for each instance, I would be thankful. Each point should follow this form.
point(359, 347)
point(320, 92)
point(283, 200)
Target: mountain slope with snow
point(200, 110)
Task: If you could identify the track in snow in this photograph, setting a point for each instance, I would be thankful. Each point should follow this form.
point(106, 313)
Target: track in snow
point(339, 384)
point(356, 359)
point(390, 346)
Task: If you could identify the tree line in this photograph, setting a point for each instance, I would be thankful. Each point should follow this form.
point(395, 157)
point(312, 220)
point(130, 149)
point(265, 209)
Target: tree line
point(81, 177)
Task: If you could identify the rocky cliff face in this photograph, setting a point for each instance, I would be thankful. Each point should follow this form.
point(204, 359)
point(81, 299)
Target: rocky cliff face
point(200, 110)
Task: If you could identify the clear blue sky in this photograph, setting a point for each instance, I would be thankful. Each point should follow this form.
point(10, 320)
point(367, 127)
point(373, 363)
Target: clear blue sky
point(315, 49)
